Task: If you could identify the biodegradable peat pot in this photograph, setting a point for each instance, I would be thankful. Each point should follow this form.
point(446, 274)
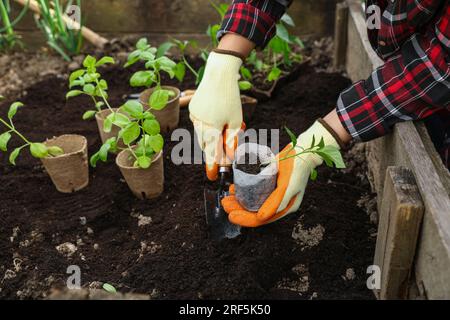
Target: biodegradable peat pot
point(254, 183)
point(169, 117)
point(70, 171)
point(248, 107)
point(144, 183)
point(100, 117)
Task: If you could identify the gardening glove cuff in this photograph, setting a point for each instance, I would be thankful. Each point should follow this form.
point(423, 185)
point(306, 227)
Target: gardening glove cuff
point(216, 107)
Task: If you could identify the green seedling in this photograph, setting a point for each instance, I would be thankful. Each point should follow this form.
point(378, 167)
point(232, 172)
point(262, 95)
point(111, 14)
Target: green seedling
point(330, 154)
point(152, 75)
point(37, 150)
point(88, 81)
point(109, 288)
point(140, 132)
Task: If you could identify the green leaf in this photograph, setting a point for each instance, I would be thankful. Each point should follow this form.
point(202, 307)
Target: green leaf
point(246, 73)
point(94, 159)
point(105, 60)
point(13, 109)
point(120, 120)
point(107, 124)
point(288, 20)
point(89, 62)
point(38, 150)
point(165, 62)
point(245, 85)
point(76, 75)
point(313, 174)
point(89, 114)
point(321, 144)
point(200, 72)
point(147, 56)
point(164, 48)
point(99, 105)
point(13, 156)
point(278, 45)
point(156, 142)
point(142, 79)
point(131, 133)
point(73, 93)
point(292, 136)
point(159, 99)
point(134, 108)
point(335, 156)
point(180, 71)
point(103, 152)
point(89, 89)
point(4, 139)
point(109, 288)
point(274, 74)
point(151, 127)
point(55, 151)
point(328, 160)
point(313, 142)
point(144, 162)
point(142, 44)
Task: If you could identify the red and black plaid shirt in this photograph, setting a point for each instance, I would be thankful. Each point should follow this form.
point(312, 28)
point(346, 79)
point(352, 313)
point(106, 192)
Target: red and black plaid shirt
point(413, 40)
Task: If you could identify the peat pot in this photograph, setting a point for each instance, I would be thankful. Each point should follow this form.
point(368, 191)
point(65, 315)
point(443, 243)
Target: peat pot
point(70, 171)
point(144, 183)
point(253, 189)
point(169, 117)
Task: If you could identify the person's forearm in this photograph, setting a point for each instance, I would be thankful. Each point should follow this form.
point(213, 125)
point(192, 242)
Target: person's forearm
point(236, 43)
point(332, 119)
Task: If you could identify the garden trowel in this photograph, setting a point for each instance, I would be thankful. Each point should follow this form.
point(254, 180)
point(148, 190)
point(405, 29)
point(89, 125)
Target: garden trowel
point(217, 219)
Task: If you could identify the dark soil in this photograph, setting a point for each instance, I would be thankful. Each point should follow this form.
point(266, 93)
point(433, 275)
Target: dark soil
point(171, 257)
point(246, 164)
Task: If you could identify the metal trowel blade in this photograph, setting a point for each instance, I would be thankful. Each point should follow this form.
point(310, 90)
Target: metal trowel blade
point(217, 219)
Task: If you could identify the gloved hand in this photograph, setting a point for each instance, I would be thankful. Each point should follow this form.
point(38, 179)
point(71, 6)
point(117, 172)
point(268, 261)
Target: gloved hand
point(216, 107)
point(293, 176)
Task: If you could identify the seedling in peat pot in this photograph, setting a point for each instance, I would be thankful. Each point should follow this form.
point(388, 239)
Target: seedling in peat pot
point(152, 75)
point(163, 100)
point(63, 157)
point(89, 82)
point(140, 133)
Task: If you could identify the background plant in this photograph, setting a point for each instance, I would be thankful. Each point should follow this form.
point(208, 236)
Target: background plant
point(67, 42)
point(88, 81)
point(37, 150)
point(155, 64)
point(8, 37)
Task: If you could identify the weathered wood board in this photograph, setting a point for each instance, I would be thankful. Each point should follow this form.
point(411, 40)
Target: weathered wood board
point(408, 145)
point(398, 230)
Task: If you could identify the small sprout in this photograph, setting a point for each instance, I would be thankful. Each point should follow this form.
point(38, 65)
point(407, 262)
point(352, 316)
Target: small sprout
point(109, 288)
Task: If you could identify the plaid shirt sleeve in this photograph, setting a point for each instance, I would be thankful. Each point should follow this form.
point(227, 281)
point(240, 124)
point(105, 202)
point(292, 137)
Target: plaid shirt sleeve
point(254, 19)
point(415, 80)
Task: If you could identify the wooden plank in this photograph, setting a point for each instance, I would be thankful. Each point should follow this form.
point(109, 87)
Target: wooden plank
point(398, 230)
point(340, 35)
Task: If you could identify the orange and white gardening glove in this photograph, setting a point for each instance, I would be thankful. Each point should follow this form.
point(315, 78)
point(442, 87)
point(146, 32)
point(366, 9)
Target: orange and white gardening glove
point(293, 176)
point(216, 109)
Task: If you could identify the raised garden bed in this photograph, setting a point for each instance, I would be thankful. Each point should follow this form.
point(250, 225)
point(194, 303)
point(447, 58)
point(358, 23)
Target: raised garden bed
point(160, 247)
